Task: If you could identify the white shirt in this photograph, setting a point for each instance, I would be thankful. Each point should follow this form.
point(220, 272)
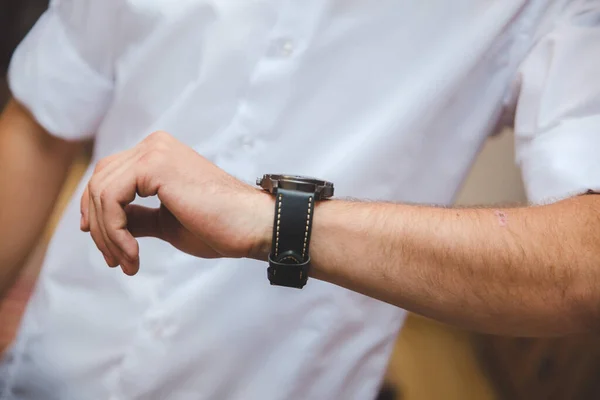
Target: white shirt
point(389, 100)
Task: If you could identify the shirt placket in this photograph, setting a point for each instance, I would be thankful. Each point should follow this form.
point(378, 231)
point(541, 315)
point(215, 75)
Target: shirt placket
point(247, 140)
point(242, 142)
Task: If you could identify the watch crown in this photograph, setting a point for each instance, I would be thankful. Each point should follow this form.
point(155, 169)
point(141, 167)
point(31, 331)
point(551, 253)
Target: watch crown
point(258, 181)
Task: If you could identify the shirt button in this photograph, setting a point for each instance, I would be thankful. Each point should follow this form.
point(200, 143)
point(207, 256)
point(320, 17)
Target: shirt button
point(155, 327)
point(246, 142)
point(287, 48)
point(158, 330)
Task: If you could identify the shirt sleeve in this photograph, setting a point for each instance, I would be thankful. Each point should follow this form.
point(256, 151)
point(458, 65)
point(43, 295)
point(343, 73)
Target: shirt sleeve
point(557, 123)
point(62, 70)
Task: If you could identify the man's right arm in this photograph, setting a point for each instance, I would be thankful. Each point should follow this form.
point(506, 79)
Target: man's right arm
point(33, 168)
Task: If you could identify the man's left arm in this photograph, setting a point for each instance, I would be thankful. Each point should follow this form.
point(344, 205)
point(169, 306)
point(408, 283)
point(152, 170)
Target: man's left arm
point(534, 270)
point(516, 271)
point(521, 271)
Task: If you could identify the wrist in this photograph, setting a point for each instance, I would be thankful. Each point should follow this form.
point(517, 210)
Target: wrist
point(338, 230)
point(264, 207)
point(285, 240)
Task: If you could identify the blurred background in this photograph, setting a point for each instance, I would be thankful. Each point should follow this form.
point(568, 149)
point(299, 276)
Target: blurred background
point(430, 361)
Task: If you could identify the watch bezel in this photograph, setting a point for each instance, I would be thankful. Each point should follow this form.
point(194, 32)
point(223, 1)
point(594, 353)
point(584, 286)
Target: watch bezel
point(271, 182)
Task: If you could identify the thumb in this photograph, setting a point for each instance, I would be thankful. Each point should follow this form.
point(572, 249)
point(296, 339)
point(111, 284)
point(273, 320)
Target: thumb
point(162, 224)
point(143, 221)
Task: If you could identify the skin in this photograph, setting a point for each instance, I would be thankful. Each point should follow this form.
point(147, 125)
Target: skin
point(33, 168)
point(521, 271)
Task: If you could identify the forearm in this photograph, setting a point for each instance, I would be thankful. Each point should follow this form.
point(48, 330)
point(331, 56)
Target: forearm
point(33, 166)
point(523, 271)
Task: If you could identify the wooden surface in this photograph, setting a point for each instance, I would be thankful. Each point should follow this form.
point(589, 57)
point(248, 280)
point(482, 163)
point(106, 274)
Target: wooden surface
point(432, 361)
point(542, 369)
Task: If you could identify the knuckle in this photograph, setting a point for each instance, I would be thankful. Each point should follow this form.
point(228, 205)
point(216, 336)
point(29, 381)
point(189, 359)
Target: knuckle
point(100, 165)
point(159, 136)
point(162, 146)
point(94, 188)
point(104, 196)
point(154, 157)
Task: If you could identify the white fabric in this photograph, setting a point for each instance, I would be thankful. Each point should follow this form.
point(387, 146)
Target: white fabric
point(389, 101)
point(56, 82)
point(558, 121)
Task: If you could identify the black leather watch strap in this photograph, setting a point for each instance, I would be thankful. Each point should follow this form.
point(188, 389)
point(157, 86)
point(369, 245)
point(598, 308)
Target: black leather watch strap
point(289, 260)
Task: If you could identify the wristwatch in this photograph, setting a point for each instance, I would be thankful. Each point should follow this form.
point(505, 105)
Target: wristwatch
point(295, 197)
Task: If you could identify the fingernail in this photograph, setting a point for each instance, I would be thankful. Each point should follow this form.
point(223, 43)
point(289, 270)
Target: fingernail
point(124, 269)
point(110, 262)
point(128, 268)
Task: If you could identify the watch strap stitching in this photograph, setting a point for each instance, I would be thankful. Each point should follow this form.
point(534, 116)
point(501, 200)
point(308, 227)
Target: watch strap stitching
point(291, 237)
point(278, 210)
point(308, 222)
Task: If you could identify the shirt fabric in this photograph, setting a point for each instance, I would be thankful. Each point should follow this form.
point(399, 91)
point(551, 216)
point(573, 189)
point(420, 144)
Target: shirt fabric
point(389, 100)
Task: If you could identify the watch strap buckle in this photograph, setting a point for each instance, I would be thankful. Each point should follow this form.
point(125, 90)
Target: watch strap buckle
point(289, 271)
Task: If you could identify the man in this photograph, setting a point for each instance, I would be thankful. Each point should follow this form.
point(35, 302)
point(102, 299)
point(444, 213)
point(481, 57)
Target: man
point(388, 102)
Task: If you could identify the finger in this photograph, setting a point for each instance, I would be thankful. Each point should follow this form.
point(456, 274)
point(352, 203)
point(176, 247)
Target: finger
point(84, 224)
point(128, 264)
point(107, 171)
point(102, 167)
point(98, 240)
point(115, 222)
point(108, 249)
point(120, 190)
point(143, 221)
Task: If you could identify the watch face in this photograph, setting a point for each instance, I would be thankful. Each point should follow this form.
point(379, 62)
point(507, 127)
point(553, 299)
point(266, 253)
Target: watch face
point(298, 178)
point(322, 189)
